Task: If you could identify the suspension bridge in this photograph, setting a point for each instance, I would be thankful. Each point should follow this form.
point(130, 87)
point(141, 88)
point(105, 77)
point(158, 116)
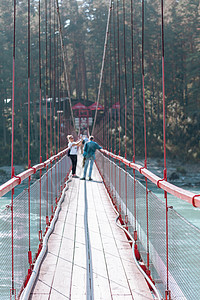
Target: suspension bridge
point(111, 237)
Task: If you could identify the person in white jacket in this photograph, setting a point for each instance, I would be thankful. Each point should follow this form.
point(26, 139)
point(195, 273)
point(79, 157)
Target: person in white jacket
point(73, 152)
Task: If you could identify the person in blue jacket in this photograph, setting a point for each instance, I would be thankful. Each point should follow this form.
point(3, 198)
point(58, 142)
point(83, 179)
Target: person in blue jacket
point(89, 156)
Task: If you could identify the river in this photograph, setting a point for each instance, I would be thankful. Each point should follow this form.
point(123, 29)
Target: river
point(188, 179)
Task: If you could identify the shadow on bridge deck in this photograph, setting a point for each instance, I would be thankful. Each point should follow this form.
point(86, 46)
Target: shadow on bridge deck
point(88, 256)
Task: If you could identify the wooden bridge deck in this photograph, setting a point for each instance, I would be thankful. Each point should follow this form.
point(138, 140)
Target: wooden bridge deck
point(88, 256)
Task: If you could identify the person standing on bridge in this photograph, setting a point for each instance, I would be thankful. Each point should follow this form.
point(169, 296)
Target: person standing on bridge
point(73, 152)
point(89, 155)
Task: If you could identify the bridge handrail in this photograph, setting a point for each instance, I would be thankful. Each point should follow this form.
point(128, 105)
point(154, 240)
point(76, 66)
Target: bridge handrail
point(16, 180)
point(170, 188)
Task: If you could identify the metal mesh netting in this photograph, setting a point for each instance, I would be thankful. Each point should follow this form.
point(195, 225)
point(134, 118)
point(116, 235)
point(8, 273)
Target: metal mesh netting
point(184, 257)
point(21, 238)
point(184, 250)
point(141, 219)
point(157, 237)
point(51, 183)
point(130, 198)
point(5, 253)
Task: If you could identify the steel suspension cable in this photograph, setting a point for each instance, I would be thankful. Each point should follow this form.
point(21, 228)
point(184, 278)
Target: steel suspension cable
point(105, 115)
point(12, 142)
point(110, 92)
point(106, 96)
point(119, 91)
point(54, 77)
point(133, 113)
point(46, 35)
point(102, 66)
point(50, 94)
point(125, 104)
point(29, 162)
point(40, 92)
point(54, 102)
point(64, 62)
point(61, 112)
point(50, 75)
point(115, 79)
point(143, 88)
point(58, 87)
point(110, 108)
point(111, 82)
point(58, 96)
point(167, 292)
point(163, 90)
point(29, 69)
point(115, 95)
point(125, 77)
point(47, 138)
point(145, 134)
point(119, 75)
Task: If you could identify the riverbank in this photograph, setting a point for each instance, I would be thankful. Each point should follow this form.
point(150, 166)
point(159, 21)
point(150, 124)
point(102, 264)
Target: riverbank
point(179, 173)
point(185, 175)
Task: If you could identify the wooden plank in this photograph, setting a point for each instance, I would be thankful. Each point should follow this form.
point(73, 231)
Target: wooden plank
point(67, 249)
point(78, 288)
point(65, 271)
point(100, 276)
point(55, 294)
point(115, 272)
point(43, 285)
point(135, 281)
point(62, 278)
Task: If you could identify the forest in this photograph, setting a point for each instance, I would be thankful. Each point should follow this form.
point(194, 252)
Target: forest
point(83, 28)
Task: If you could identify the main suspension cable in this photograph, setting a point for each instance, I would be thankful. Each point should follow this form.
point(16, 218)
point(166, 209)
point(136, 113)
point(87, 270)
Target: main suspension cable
point(64, 62)
point(102, 66)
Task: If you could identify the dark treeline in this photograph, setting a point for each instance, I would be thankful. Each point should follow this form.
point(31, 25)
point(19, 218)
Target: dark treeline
point(83, 28)
point(182, 77)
